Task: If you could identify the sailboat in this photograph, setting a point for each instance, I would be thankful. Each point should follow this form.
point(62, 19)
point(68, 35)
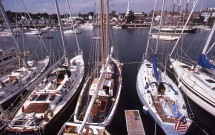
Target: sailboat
point(73, 29)
point(87, 26)
point(196, 84)
point(175, 28)
point(160, 95)
point(12, 83)
point(51, 95)
point(100, 94)
point(33, 31)
point(165, 37)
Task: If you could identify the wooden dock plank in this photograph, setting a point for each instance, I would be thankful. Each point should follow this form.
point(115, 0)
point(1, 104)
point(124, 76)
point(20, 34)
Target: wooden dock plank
point(134, 123)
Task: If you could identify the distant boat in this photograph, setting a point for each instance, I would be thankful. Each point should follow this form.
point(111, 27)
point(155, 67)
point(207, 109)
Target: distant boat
point(43, 30)
point(164, 37)
point(33, 32)
point(176, 29)
point(87, 26)
point(72, 31)
point(116, 27)
point(5, 34)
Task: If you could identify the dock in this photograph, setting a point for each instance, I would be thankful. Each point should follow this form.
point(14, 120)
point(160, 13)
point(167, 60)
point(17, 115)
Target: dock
point(134, 122)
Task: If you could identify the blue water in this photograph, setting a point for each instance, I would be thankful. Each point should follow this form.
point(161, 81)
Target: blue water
point(131, 46)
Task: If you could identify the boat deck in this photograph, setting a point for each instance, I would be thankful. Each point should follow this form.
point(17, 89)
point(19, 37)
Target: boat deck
point(37, 108)
point(167, 110)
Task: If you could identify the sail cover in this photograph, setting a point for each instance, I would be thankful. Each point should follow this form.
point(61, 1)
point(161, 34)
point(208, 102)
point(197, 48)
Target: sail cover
point(204, 62)
point(155, 67)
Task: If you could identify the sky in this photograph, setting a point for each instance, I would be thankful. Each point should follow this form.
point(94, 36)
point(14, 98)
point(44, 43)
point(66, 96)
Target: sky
point(85, 6)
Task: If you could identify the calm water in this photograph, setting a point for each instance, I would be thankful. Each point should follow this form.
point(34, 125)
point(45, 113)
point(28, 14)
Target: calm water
point(131, 46)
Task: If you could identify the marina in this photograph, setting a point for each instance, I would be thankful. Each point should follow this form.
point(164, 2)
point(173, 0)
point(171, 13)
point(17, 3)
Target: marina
point(129, 98)
point(99, 77)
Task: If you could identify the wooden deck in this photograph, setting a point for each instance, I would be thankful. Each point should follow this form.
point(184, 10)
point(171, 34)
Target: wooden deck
point(37, 108)
point(160, 110)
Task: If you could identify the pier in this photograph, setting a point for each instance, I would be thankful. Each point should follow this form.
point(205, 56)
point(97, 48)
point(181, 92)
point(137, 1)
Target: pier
point(134, 123)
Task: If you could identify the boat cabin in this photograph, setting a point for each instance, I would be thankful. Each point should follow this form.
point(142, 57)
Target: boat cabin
point(106, 87)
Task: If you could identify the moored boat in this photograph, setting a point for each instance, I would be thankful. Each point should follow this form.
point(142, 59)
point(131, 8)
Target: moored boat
point(160, 95)
point(100, 94)
point(164, 37)
point(163, 100)
point(47, 99)
point(198, 85)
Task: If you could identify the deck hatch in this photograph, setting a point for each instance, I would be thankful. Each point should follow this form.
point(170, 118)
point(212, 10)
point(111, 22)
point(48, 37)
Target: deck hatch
point(42, 98)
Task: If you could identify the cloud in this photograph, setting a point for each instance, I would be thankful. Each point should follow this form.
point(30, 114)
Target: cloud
point(85, 6)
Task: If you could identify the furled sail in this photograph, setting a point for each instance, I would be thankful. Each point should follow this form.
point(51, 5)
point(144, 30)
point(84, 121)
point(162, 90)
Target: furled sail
point(203, 61)
point(155, 67)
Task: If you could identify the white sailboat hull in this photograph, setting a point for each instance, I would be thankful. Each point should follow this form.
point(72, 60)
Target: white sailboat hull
point(165, 37)
point(8, 92)
point(32, 33)
point(108, 119)
point(146, 97)
point(195, 87)
point(209, 108)
point(63, 94)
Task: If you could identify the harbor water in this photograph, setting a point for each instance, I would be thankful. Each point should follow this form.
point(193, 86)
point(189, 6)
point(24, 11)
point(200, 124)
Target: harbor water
point(131, 47)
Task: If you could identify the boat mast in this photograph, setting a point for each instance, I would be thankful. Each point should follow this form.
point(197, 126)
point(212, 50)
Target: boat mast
point(38, 33)
point(13, 34)
point(70, 13)
point(173, 12)
point(90, 106)
point(179, 6)
point(102, 30)
point(62, 34)
point(156, 50)
point(107, 29)
point(159, 27)
point(150, 30)
point(193, 7)
point(186, 9)
point(202, 6)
